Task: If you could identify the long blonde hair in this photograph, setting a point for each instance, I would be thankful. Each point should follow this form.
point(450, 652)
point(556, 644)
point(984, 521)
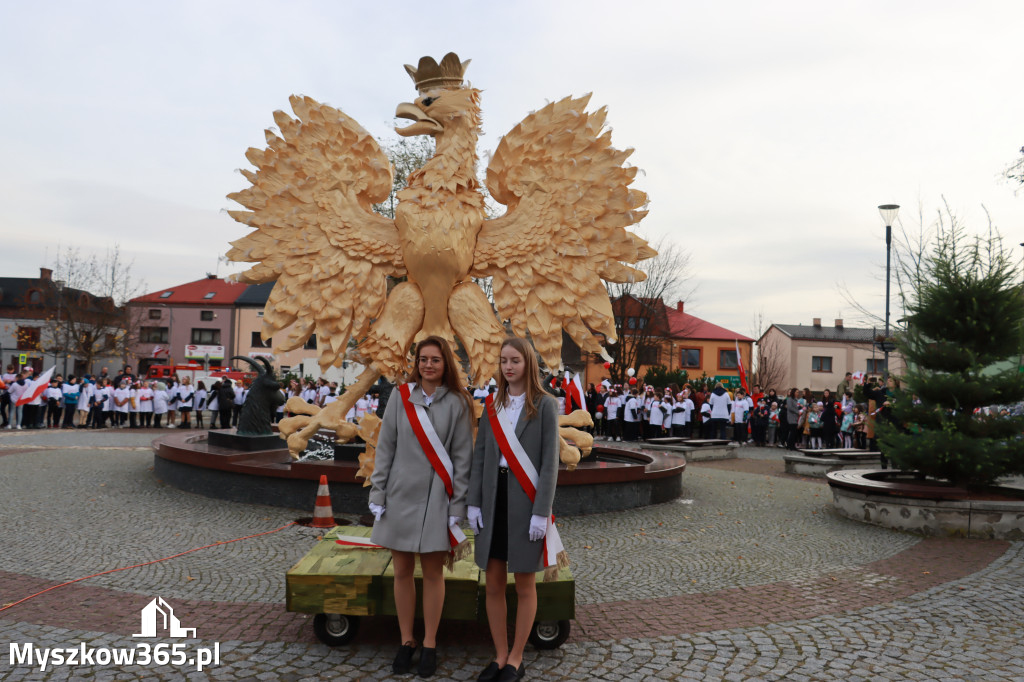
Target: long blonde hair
point(534, 391)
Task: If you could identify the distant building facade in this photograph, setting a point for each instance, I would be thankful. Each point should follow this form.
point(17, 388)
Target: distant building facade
point(818, 356)
point(192, 322)
point(40, 318)
point(675, 340)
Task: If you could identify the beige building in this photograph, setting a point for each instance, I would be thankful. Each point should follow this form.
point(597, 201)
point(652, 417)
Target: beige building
point(302, 361)
point(818, 356)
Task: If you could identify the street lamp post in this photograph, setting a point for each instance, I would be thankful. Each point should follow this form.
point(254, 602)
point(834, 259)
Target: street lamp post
point(61, 334)
point(888, 212)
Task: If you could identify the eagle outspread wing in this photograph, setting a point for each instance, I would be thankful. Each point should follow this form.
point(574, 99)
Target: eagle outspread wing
point(569, 204)
point(316, 234)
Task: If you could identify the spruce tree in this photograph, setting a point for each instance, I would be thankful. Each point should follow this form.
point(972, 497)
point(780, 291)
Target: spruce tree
point(962, 345)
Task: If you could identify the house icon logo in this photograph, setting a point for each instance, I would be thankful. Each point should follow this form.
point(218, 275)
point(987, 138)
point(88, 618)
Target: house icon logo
point(158, 615)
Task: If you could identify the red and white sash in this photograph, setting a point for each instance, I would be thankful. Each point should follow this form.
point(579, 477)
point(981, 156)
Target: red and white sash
point(357, 541)
point(433, 448)
point(524, 471)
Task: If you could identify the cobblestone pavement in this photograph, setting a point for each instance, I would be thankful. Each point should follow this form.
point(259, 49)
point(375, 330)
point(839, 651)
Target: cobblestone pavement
point(748, 577)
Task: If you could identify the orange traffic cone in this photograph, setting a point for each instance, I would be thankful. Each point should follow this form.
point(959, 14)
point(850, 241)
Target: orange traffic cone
point(323, 516)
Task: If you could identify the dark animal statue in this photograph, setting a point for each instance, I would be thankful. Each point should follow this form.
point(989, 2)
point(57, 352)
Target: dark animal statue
point(262, 402)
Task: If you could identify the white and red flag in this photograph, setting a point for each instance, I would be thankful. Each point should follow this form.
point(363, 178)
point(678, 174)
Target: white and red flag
point(35, 388)
point(574, 394)
point(739, 364)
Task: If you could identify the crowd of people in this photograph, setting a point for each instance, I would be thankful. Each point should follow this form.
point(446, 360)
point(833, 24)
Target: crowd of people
point(798, 419)
point(122, 401)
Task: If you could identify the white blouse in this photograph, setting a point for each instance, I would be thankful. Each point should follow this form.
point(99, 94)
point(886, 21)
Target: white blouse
point(513, 408)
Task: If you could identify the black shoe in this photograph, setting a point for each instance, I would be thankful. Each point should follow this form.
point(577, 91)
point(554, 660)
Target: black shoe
point(510, 673)
point(403, 659)
point(428, 662)
point(490, 672)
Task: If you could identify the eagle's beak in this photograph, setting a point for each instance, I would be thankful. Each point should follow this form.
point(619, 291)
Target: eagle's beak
point(424, 125)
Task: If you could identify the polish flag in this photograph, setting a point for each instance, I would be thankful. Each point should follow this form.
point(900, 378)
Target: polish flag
point(160, 350)
point(575, 390)
point(34, 389)
point(739, 364)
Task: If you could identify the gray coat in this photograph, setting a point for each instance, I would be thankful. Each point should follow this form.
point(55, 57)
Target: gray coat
point(540, 438)
point(405, 484)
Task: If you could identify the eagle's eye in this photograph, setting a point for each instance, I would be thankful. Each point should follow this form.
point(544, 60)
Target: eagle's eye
point(428, 101)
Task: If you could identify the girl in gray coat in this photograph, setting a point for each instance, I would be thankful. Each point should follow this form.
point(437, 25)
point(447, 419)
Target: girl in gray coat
point(410, 501)
point(509, 528)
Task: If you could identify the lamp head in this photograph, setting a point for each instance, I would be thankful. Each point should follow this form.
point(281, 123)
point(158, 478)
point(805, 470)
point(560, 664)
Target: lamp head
point(889, 212)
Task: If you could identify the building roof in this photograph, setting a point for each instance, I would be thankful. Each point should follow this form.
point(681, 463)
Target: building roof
point(840, 334)
point(207, 291)
point(684, 325)
point(16, 293)
point(256, 294)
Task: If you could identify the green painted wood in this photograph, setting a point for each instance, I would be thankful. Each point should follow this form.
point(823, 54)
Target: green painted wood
point(332, 578)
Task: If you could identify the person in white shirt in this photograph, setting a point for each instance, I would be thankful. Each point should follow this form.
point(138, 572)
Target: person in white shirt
point(54, 404)
point(133, 405)
point(121, 396)
point(656, 418)
point(144, 395)
point(186, 400)
point(106, 404)
point(85, 397)
point(240, 394)
point(633, 415)
point(682, 414)
point(721, 404)
point(612, 409)
point(322, 391)
point(742, 406)
point(705, 418)
point(6, 406)
point(160, 403)
point(200, 403)
point(481, 394)
point(362, 405)
point(213, 404)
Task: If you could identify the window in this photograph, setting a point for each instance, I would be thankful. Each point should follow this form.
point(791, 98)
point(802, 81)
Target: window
point(690, 358)
point(821, 363)
point(648, 355)
point(35, 297)
point(727, 359)
point(153, 335)
point(206, 315)
point(166, 294)
point(311, 343)
point(155, 313)
point(210, 294)
point(257, 341)
point(206, 337)
point(28, 338)
point(876, 366)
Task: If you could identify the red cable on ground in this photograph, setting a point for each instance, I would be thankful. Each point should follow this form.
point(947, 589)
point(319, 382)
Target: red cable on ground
point(147, 563)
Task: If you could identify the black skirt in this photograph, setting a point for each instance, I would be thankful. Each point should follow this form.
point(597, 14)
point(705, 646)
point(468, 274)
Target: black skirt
point(499, 529)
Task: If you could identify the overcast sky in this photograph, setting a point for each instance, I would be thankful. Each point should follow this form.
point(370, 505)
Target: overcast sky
point(767, 132)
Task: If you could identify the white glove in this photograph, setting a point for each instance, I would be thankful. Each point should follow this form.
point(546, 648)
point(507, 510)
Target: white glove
point(377, 510)
point(538, 527)
point(454, 521)
point(476, 519)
